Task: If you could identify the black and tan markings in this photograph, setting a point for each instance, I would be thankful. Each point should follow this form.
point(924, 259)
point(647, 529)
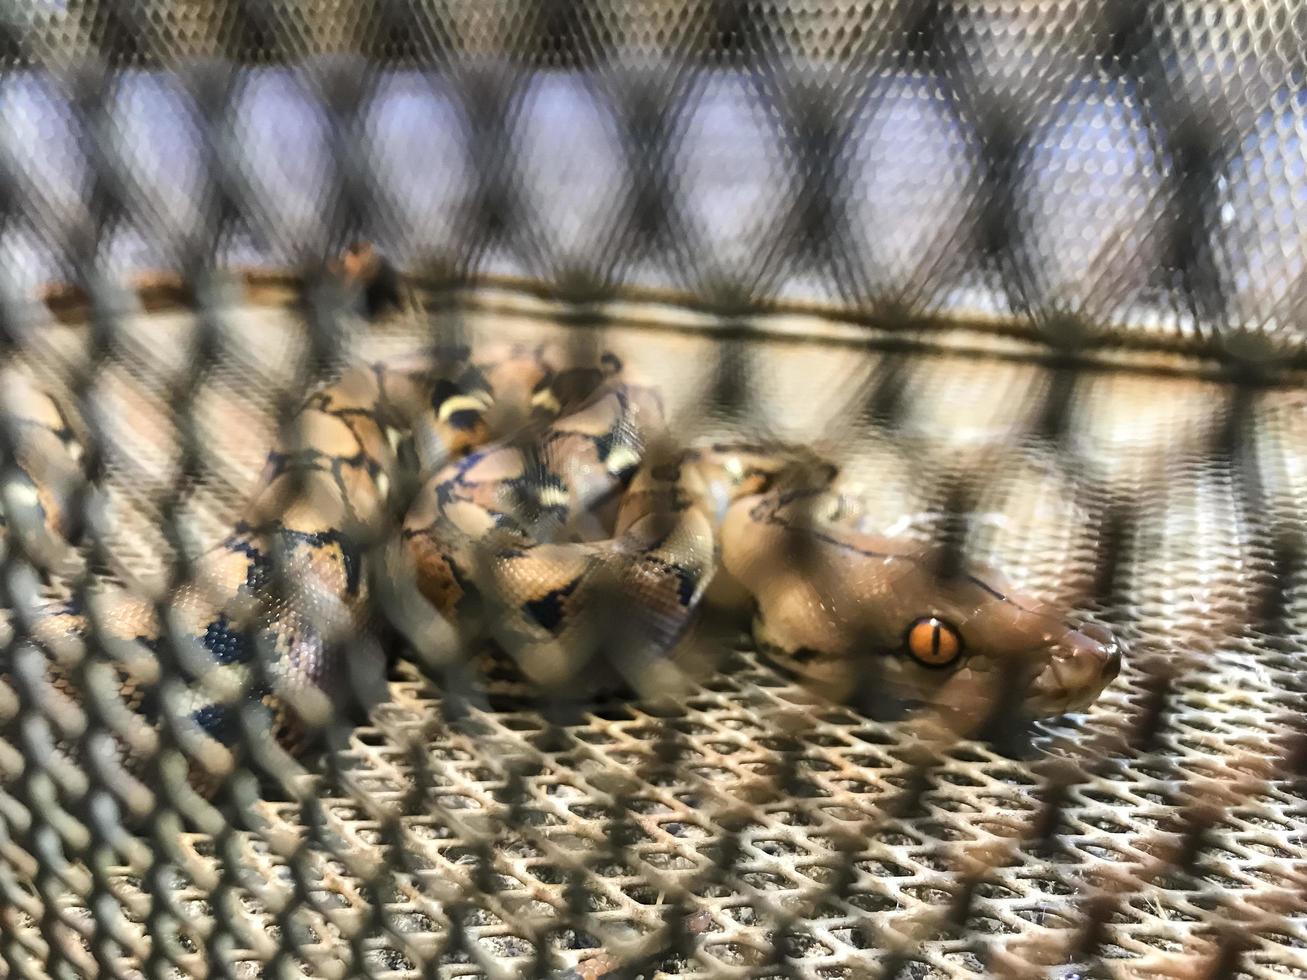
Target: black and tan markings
point(550, 536)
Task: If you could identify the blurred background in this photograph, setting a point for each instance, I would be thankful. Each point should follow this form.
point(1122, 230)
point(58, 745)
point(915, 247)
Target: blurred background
point(1088, 170)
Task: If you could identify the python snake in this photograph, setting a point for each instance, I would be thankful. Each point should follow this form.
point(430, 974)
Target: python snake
point(580, 534)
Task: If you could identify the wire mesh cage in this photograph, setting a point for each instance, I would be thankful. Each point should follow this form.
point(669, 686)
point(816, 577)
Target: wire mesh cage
point(1028, 274)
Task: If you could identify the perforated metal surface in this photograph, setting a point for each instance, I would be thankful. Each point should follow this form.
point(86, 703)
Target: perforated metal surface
point(1037, 262)
point(756, 829)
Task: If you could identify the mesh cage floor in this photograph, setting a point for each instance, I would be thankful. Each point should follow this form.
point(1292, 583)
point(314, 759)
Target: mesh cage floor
point(750, 829)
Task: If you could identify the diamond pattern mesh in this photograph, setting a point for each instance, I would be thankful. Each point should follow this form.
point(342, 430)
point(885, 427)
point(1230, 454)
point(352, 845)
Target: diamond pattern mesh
point(1032, 266)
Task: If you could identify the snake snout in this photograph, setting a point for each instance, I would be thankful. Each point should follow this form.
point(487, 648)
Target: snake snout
point(1112, 666)
point(1080, 666)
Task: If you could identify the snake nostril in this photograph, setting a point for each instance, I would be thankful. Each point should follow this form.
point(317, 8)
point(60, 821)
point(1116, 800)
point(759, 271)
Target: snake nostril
point(1112, 666)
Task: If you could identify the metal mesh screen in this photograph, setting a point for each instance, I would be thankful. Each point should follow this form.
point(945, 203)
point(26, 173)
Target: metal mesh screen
point(1034, 267)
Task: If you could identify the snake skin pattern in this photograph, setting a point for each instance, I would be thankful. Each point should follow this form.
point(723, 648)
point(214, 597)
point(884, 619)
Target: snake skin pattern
point(582, 532)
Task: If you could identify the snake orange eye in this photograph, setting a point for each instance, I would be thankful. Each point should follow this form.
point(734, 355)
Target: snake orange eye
point(933, 642)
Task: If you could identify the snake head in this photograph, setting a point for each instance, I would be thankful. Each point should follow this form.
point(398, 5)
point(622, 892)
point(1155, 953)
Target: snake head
point(981, 629)
point(860, 603)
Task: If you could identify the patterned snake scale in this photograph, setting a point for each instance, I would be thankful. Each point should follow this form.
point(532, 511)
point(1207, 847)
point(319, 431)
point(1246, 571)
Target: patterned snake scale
point(581, 533)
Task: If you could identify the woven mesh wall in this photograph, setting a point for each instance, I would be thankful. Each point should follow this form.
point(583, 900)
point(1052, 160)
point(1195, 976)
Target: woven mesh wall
point(1032, 265)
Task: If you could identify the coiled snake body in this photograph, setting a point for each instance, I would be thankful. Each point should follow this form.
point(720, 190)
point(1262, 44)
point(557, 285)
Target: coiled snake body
point(582, 536)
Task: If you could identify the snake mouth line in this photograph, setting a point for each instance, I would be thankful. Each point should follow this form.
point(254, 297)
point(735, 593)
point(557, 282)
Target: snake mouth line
point(1087, 662)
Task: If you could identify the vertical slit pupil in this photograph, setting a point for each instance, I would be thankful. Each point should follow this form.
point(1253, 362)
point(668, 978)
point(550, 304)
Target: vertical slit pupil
point(932, 641)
